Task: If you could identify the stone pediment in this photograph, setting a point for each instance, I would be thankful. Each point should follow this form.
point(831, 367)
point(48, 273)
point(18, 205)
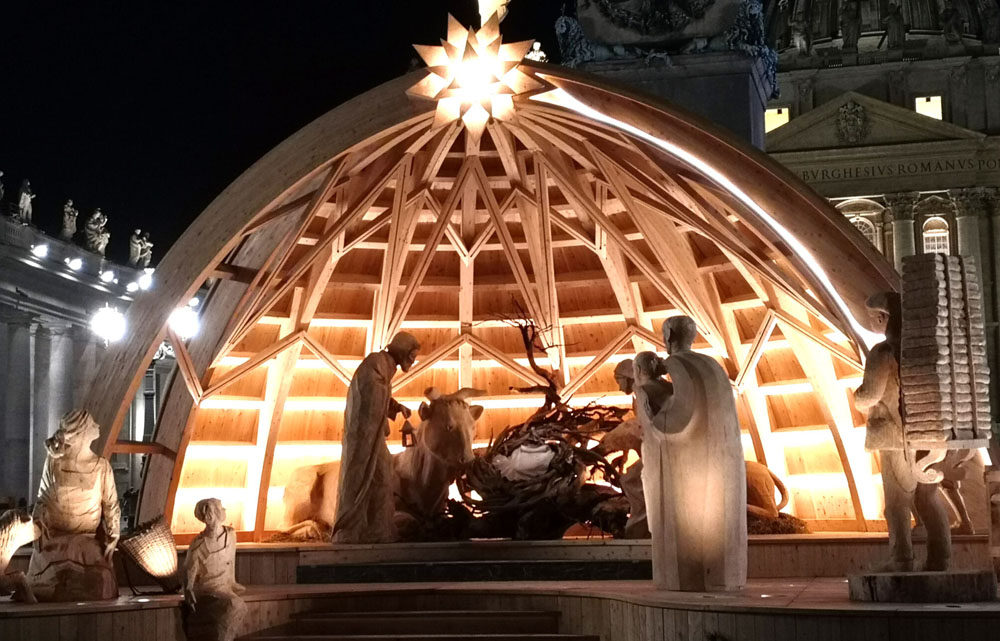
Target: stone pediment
point(855, 120)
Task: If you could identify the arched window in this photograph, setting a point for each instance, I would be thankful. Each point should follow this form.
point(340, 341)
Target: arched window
point(935, 235)
point(867, 228)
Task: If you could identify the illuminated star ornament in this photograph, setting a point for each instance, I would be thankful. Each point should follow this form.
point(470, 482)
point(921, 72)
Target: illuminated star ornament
point(473, 76)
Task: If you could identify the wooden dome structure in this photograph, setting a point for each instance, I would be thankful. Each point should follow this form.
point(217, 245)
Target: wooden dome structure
point(592, 211)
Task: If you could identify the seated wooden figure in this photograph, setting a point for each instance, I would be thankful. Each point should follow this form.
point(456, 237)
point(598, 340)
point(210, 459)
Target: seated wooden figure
point(78, 517)
point(210, 588)
point(694, 476)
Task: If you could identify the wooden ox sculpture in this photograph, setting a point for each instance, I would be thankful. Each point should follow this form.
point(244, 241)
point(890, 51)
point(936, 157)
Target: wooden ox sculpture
point(421, 474)
point(442, 446)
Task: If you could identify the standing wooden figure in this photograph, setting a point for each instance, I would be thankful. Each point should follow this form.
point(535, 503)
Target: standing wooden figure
point(694, 477)
point(210, 588)
point(365, 503)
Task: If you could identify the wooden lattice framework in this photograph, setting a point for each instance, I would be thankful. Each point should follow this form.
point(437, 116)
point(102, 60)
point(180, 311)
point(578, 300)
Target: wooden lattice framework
point(372, 219)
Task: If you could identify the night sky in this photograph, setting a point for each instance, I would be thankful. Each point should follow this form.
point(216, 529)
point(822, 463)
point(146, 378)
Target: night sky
point(148, 112)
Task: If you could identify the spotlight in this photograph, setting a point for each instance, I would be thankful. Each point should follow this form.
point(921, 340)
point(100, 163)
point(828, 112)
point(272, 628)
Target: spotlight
point(74, 263)
point(146, 280)
point(194, 302)
point(40, 251)
point(107, 276)
point(132, 287)
point(109, 324)
point(184, 322)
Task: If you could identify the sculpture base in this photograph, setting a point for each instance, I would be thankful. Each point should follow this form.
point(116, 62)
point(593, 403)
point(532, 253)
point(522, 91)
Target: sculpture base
point(967, 586)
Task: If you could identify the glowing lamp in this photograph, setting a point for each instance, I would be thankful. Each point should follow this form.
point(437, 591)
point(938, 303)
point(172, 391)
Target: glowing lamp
point(151, 546)
point(146, 279)
point(107, 276)
point(40, 251)
point(132, 287)
point(194, 302)
point(109, 324)
point(76, 264)
point(184, 322)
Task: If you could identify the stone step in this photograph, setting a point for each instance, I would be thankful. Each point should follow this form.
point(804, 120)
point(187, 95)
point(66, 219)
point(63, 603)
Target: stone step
point(269, 636)
point(419, 622)
point(476, 570)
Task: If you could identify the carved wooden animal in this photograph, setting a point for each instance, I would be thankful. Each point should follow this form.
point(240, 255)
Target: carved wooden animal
point(443, 445)
point(761, 483)
point(16, 530)
point(422, 473)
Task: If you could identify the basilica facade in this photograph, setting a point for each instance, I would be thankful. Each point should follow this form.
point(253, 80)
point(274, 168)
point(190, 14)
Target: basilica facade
point(904, 141)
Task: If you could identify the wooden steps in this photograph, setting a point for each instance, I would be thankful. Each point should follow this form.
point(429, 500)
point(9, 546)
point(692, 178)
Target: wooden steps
point(421, 625)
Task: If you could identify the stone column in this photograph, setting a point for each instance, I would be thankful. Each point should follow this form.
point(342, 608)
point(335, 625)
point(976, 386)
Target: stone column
point(970, 209)
point(53, 393)
point(900, 209)
point(991, 308)
point(85, 352)
point(15, 431)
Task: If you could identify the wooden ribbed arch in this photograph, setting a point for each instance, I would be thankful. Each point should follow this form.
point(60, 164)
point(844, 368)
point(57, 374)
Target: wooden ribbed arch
point(371, 220)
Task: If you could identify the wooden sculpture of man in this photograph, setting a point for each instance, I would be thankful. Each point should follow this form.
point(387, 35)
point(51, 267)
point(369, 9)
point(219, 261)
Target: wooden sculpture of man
point(210, 588)
point(694, 477)
point(365, 503)
point(879, 397)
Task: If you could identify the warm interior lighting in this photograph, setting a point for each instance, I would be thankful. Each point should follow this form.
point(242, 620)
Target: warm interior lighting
point(473, 76)
point(109, 324)
point(76, 264)
point(774, 118)
point(107, 276)
point(40, 251)
point(929, 106)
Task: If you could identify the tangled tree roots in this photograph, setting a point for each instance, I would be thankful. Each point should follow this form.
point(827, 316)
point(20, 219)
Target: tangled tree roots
point(545, 506)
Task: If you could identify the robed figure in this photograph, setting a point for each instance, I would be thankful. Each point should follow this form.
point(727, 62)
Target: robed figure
point(694, 477)
point(365, 502)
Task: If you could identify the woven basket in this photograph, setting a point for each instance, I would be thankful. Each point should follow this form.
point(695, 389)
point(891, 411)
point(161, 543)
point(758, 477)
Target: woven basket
point(151, 545)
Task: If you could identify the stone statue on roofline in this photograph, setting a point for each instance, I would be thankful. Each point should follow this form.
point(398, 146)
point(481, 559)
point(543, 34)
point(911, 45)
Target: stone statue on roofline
point(879, 397)
point(365, 502)
point(96, 232)
point(694, 477)
point(895, 27)
point(850, 25)
point(69, 215)
point(146, 253)
point(211, 592)
point(24, 198)
point(78, 517)
point(135, 248)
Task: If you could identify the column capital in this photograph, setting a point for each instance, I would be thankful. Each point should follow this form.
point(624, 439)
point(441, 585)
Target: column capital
point(970, 202)
point(11, 316)
point(900, 205)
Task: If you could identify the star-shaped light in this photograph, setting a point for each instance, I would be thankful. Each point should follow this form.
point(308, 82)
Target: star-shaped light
point(473, 76)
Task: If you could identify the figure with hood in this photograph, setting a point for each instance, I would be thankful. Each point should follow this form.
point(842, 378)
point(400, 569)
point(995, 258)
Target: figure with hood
point(365, 503)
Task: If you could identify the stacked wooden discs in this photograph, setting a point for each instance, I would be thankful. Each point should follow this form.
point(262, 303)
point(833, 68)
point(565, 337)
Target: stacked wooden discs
point(943, 370)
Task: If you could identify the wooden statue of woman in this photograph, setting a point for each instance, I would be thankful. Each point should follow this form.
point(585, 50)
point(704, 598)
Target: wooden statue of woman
point(694, 477)
point(210, 588)
point(78, 515)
